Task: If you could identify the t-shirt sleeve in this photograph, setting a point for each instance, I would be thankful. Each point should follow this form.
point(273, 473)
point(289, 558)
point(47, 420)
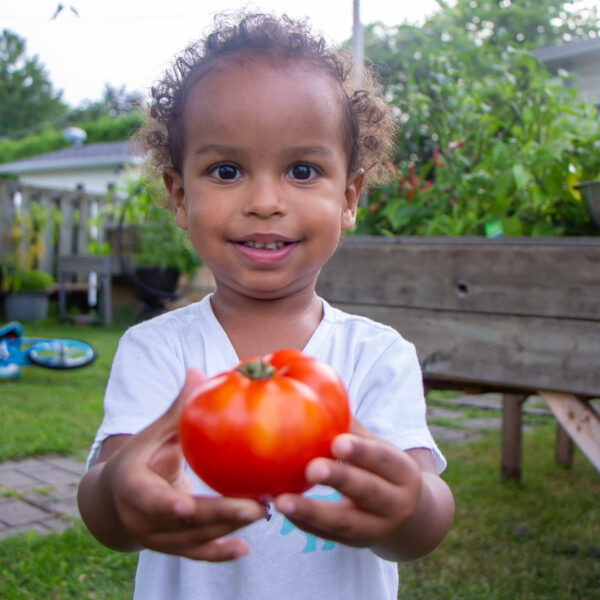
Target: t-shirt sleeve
point(145, 378)
point(391, 401)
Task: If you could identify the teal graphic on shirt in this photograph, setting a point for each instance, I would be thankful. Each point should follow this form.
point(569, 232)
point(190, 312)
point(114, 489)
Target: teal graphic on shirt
point(311, 540)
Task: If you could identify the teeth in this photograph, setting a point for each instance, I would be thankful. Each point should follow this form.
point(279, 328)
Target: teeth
point(264, 246)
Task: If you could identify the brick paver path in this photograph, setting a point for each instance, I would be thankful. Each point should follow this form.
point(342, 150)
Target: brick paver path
point(38, 494)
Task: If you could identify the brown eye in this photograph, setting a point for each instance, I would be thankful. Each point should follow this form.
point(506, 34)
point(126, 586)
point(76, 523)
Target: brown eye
point(302, 172)
point(225, 172)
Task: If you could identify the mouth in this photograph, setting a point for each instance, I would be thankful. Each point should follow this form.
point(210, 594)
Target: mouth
point(276, 245)
point(265, 250)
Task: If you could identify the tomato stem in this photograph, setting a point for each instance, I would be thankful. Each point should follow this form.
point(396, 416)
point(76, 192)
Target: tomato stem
point(257, 369)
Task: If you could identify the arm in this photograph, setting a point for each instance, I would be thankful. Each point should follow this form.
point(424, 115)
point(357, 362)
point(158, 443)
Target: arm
point(393, 502)
point(431, 519)
point(138, 496)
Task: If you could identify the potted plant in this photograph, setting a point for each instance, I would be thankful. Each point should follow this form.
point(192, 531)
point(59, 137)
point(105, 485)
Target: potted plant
point(163, 251)
point(25, 287)
point(152, 250)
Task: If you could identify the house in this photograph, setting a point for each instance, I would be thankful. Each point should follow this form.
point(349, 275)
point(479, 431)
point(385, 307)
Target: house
point(580, 58)
point(90, 167)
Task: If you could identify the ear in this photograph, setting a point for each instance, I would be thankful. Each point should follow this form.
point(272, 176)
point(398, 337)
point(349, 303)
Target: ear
point(351, 196)
point(174, 184)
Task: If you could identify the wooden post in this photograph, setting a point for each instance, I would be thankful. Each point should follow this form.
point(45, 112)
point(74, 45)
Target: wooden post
point(563, 450)
point(511, 436)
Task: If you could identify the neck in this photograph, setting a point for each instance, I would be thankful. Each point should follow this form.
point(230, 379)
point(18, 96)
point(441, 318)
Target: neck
point(256, 326)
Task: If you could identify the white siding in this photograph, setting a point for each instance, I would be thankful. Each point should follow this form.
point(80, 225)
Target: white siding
point(95, 181)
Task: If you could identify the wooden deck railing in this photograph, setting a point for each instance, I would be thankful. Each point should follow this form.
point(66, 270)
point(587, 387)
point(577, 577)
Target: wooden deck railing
point(69, 235)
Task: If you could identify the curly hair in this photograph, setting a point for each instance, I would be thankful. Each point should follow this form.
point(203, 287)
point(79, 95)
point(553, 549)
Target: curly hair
point(368, 123)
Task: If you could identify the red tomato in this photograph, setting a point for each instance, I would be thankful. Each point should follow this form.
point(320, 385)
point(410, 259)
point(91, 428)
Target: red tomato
point(250, 432)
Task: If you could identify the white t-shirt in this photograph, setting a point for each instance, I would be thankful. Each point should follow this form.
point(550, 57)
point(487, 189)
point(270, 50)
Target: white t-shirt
point(381, 373)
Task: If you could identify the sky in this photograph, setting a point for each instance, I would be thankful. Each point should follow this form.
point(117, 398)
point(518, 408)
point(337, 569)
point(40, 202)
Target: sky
point(131, 42)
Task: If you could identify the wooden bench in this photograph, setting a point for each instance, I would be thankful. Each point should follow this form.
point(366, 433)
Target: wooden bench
point(516, 315)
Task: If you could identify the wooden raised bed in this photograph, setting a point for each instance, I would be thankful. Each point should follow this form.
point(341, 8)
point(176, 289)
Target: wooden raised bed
point(515, 315)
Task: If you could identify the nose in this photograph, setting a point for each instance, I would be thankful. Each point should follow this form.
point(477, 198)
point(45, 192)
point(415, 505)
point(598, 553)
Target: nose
point(264, 199)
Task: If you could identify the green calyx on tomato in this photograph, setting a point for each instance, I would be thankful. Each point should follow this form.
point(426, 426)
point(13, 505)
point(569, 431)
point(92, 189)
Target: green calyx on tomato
point(250, 432)
point(256, 369)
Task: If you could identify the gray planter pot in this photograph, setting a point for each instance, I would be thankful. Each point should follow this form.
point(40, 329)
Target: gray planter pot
point(26, 306)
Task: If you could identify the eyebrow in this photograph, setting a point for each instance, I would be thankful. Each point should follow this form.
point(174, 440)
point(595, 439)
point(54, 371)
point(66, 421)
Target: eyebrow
point(224, 149)
point(218, 148)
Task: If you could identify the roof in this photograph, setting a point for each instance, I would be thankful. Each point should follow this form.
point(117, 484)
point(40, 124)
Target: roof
point(564, 54)
point(105, 154)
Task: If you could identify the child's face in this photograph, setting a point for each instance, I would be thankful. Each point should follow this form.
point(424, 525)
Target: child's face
point(264, 190)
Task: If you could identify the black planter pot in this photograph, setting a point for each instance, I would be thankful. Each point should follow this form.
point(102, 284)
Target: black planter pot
point(155, 287)
point(590, 190)
point(163, 280)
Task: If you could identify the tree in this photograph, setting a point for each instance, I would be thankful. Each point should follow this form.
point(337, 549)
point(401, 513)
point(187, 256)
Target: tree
point(486, 134)
point(27, 98)
point(531, 23)
point(115, 102)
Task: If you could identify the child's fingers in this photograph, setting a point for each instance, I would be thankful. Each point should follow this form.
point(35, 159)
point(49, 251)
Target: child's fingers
point(376, 456)
point(219, 550)
point(371, 492)
point(167, 510)
point(178, 542)
point(337, 521)
point(236, 511)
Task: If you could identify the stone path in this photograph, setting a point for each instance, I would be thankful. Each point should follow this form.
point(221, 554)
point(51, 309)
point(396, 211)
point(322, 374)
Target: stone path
point(40, 493)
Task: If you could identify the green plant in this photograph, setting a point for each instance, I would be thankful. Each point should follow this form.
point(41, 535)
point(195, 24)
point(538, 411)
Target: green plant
point(159, 242)
point(26, 248)
point(489, 135)
point(28, 281)
point(162, 244)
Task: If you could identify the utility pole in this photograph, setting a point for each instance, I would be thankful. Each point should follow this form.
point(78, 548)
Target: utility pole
point(357, 42)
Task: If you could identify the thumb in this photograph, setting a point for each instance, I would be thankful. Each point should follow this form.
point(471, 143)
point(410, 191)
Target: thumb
point(357, 428)
point(194, 379)
point(166, 426)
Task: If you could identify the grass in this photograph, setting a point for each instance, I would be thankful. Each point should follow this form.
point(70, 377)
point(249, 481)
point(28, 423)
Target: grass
point(67, 566)
point(536, 540)
point(48, 411)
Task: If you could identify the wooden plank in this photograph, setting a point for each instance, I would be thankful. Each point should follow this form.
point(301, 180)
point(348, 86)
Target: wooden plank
point(83, 202)
point(74, 263)
point(511, 436)
point(501, 351)
point(47, 261)
point(556, 277)
point(7, 212)
point(65, 232)
point(580, 421)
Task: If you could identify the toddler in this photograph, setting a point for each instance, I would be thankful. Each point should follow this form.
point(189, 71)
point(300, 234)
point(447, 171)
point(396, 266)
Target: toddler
point(265, 145)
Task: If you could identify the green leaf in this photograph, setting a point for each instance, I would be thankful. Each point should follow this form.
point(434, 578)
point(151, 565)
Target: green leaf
point(511, 226)
point(522, 176)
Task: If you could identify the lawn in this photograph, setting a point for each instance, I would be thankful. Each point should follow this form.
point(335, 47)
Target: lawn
point(539, 539)
point(56, 411)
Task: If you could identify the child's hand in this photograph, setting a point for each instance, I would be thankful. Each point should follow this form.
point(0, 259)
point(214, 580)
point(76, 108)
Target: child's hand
point(147, 500)
point(383, 503)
